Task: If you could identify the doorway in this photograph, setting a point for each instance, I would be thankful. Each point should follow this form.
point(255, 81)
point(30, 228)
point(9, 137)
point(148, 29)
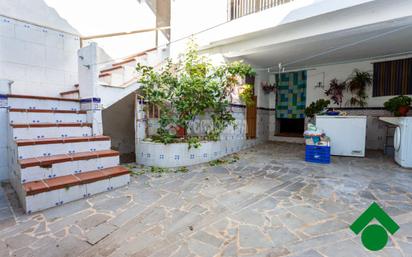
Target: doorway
point(290, 104)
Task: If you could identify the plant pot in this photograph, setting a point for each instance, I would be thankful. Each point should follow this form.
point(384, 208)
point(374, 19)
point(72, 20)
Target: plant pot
point(403, 110)
point(180, 131)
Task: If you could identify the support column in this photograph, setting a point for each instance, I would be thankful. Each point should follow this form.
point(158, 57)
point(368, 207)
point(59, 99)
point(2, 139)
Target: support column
point(88, 85)
point(5, 89)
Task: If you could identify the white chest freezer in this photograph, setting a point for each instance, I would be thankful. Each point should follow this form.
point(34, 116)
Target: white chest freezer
point(347, 134)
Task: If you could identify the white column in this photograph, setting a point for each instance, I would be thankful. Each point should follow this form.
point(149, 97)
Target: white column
point(88, 84)
point(5, 89)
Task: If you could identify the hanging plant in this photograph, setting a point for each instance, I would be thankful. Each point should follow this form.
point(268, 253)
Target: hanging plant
point(335, 91)
point(247, 95)
point(267, 87)
point(357, 85)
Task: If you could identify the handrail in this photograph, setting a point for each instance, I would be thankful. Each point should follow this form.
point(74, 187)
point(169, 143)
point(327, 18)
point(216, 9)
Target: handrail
point(124, 33)
point(239, 8)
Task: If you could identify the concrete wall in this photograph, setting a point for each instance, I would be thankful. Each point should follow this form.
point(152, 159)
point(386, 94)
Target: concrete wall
point(118, 123)
point(40, 60)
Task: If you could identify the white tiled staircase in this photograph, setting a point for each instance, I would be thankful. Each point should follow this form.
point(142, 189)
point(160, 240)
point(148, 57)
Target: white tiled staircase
point(54, 155)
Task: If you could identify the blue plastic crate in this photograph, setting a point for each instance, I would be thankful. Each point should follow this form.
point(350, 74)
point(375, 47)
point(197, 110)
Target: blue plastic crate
point(317, 154)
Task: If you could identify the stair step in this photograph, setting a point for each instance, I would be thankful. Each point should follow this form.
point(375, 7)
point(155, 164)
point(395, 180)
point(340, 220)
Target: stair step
point(48, 125)
point(70, 167)
point(111, 69)
point(23, 116)
point(42, 102)
point(70, 92)
point(46, 111)
point(50, 130)
point(47, 141)
point(30, 148)
point(104, 75)
point(43, 98)
point(37, 187)
point(50, 160)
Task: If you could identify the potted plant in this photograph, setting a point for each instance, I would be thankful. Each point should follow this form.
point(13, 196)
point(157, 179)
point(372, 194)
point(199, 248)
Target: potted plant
point(399, 105)
point(335, 91)
point(357, 85)
point(316, 107)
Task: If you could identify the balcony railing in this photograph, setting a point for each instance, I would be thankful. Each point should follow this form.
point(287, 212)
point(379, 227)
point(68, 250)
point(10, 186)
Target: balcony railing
point(239, 8)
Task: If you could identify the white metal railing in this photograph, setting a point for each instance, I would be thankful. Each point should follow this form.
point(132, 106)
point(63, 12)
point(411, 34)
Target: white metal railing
point(239, 8)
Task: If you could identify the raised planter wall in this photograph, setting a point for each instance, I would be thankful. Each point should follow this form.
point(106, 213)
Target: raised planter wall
point(231, 141)
point(176, 155)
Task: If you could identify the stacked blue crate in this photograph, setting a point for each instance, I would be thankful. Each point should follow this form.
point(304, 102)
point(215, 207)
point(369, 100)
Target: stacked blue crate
point(317, 154)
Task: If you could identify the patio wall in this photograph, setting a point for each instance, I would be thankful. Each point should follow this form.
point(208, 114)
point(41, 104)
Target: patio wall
point(376, 130)
point(325, 74)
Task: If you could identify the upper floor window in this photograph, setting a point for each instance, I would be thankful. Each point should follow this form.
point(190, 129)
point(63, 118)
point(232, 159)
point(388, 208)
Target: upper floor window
point(392, 78)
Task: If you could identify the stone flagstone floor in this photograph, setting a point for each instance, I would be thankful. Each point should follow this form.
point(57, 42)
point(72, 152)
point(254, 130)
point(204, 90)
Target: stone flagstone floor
point(269, 203)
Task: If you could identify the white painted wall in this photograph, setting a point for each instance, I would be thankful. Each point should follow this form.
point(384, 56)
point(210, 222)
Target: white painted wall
point(325, 74)
point(39, 39)
point(41, 61)
point(376, 130)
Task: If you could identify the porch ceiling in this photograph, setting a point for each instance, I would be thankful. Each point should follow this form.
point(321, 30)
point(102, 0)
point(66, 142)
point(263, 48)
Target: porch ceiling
point(367, 42)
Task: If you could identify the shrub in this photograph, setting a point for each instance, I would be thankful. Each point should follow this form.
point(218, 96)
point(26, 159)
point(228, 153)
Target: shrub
point(189, 88)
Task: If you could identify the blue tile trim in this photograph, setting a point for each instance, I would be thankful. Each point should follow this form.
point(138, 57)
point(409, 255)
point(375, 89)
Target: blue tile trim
point(3, 96)
point(89, 100)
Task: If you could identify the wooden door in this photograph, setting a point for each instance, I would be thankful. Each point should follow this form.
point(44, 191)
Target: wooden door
point(251, 119)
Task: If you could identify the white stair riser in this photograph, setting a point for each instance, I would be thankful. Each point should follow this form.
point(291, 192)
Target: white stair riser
point(36, 117)
point(32, 151)
point(50, 132)
point(28, 103)
point(58, 197)
point(67, 168)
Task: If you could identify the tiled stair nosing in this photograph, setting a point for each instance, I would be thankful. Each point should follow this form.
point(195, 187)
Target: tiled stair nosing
point(46, 111)
point(47, 125)
point(111, 69)
point(60, 158)
point(47, 141)
point(43, 98)
point(134, 56)
point(74, 91)
point(46, 185)
point(104, 75)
